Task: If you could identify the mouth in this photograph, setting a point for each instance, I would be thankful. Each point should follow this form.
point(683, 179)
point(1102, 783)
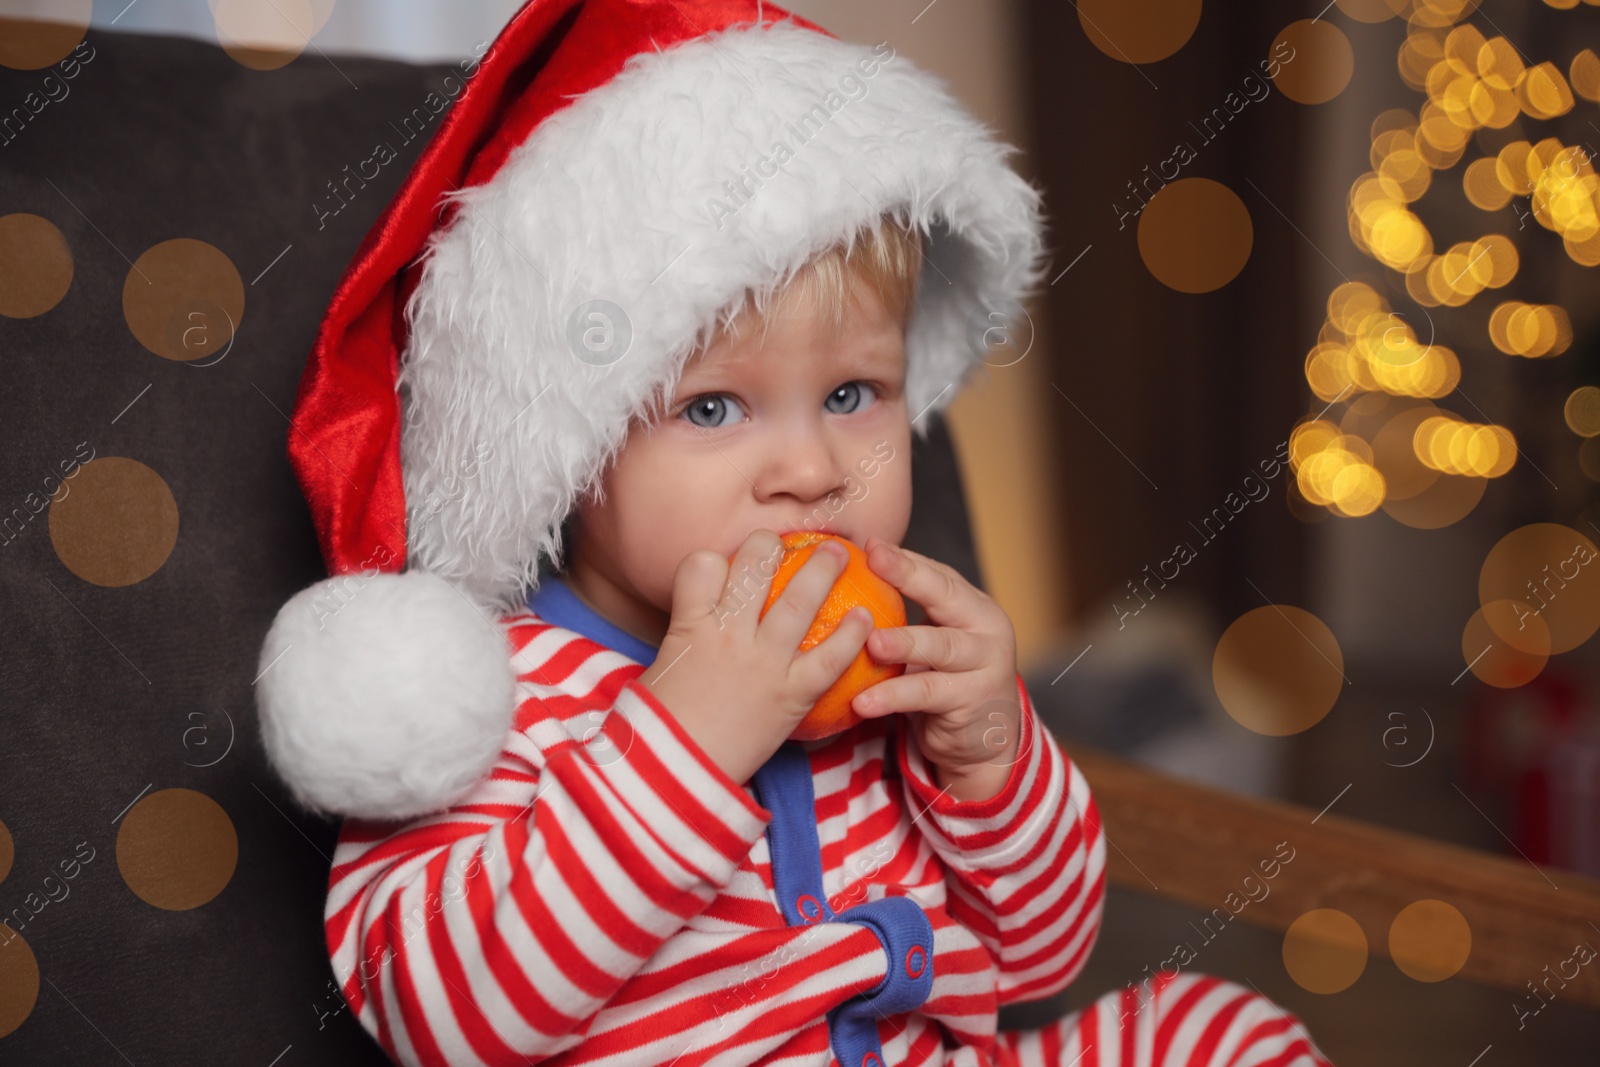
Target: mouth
point(831, 531)
point(783, 530)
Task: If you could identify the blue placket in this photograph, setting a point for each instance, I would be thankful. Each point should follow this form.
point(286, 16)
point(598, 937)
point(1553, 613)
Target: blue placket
point(783, 786)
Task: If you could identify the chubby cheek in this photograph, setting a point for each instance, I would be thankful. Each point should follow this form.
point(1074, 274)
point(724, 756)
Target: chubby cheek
point(662, 515)
point(880, 487)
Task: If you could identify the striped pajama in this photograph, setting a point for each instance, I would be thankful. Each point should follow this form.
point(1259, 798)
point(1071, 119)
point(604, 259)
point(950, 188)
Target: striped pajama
point(606, 896)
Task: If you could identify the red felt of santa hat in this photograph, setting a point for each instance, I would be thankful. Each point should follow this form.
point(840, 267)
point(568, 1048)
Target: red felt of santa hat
point(345, 447)
point(613, 178)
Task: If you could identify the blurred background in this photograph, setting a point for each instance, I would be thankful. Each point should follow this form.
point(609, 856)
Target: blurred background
point(1288, 478)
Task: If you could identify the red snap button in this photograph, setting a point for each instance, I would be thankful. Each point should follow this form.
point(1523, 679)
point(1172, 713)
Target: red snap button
point(916, 961)
point(808, 907)
point(871, 1060)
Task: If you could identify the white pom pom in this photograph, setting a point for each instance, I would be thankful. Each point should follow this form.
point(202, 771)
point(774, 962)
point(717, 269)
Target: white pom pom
point(384, 696)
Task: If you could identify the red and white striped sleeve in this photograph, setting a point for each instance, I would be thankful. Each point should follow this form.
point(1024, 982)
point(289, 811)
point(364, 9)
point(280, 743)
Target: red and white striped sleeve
point(494, 932)
point(1025, 868)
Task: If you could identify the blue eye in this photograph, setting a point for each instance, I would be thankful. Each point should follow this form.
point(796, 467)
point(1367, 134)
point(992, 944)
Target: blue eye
point(711, 406)
point(848, 396)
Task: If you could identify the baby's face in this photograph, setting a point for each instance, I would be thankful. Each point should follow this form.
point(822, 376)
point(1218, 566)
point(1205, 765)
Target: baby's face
point(799, 431)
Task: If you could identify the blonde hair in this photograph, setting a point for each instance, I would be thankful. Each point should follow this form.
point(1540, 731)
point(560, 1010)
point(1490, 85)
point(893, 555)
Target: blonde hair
point(887, 256)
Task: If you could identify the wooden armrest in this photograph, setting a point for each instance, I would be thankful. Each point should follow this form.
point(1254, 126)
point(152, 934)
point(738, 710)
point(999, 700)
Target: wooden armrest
point(1189, 843)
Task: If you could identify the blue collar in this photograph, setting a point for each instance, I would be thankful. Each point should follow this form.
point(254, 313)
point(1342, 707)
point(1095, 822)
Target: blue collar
point(555, 602)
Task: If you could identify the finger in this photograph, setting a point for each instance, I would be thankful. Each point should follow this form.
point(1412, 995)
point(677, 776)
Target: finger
point(943, 648)
point(791, 615)
point(946, 597)
point(749, 579)
point(697, 584)
point(821, 666)
point(933, 691)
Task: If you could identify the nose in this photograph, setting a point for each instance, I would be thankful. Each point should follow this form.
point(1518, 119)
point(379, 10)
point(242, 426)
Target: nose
point(801, 462)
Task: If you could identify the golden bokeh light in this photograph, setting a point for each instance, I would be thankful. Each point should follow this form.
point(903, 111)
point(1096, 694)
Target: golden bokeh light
point(1383, 227)
point(1357, 489)
point(1395, 118)
point(1364, 346)
point(1440, 140)
point(1438, 14)
point(1512, 170)
point(1551, 567)
point(1448, 500)
point(1499, 64)
point(1428, 468)
point(35, 265)
point(1402, 172)
point(1430, 940)
point(1423, 47)
point(1582, 411)
point(1462, 47)
point(1311, 437)
point(184, 300)
point(1482, 185)
point(1351, 304)
point(1499, 258)
point(1562, 187)
point(19, 982)
point(1195, 235)
point(1585, 253)
point(1473, 450)
point(1138, 31)
point(1341, 475)
point(1324, 951)
point(1544, 92)
point(1589, 458)
point(265, 36)
point(1393, 453)
point(1373, 10)
point(1277, 670)
point(1505, 644)
point(177, 849)
point(114, 523)
point(29, 42)
point(1530, 330)
point(1584, 75)
point(1322, 64)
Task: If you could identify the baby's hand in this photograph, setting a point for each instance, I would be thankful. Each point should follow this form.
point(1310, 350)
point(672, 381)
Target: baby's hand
point(742, 685)
point(960, 685)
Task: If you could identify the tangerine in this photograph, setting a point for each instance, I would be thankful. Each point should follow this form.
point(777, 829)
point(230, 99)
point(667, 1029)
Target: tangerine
point(857, 584)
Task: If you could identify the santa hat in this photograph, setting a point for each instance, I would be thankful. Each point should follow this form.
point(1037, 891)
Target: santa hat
point(612, 178)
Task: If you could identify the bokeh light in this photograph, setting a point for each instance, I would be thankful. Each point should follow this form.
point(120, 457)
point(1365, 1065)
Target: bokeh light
point(115, 523)
point(1530, 330)
point(31, 42)
point(1321, 64)
point(1324, 951)
point(1195, 235)
point(1551, 567)
point(177, 849)
point(1138, 31)
point(35, 265)
point(1278, 670)
point(1582, 411)
point(1508, 661)
point(1430, 940)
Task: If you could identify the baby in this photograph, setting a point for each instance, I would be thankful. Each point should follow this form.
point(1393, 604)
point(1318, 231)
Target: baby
point(680, 276)
point(693, 887)
point(765, 431)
